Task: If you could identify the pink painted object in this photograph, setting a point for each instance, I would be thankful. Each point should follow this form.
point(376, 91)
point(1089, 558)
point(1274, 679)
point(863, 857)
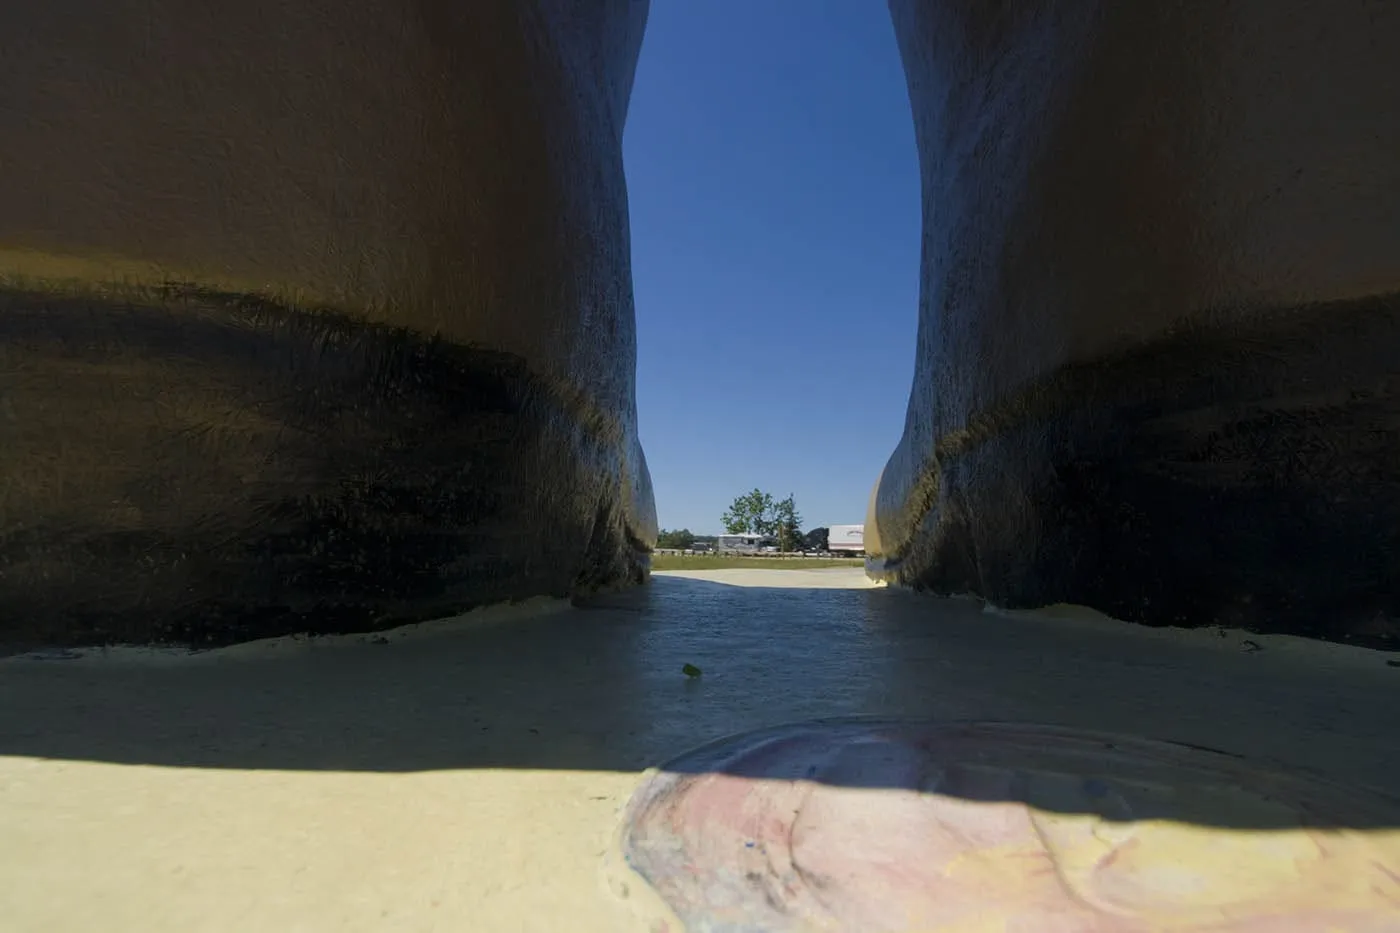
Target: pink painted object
point(883, 826)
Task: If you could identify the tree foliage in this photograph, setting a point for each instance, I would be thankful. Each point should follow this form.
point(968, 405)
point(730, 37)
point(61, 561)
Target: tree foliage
point(787, 524)
point(677, 539)
point(757, 512)
point(751, 513)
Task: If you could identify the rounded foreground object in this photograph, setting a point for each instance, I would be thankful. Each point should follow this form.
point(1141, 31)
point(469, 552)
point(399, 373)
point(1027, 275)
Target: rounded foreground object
point(865, 826)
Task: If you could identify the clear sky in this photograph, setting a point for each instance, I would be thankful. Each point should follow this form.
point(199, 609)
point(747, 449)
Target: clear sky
point(774, 195)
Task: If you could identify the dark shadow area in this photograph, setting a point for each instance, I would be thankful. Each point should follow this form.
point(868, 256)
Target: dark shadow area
point(1261, 494)
point(186, 466)
point(600, 687)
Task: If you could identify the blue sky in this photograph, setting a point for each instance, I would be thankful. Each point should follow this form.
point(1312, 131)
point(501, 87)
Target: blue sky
point(774, 195)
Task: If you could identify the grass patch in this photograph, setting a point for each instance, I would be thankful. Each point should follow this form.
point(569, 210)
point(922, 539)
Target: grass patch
point(704, 562)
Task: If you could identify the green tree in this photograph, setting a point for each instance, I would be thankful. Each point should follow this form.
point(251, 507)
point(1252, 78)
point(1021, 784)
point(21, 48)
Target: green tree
point(751, 513)
point(787, 524)
point(680, 540)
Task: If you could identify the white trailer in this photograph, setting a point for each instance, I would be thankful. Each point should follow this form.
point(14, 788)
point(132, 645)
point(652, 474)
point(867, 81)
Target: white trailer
point(743, 544)
point(848, 539)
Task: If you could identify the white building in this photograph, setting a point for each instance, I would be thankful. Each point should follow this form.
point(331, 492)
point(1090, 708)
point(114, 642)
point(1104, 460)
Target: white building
point(849, 538)
point(744, 544)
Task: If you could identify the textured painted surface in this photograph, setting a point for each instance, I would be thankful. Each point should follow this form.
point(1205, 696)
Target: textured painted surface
point(313, 316)
point(893, 826)
point(1158, 320)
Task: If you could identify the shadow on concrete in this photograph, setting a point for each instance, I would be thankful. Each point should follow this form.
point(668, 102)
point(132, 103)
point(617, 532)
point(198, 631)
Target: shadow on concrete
point(600, 687)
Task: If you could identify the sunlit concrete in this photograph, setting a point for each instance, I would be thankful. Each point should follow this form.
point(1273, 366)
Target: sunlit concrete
point(471, 775)
point(821, 578)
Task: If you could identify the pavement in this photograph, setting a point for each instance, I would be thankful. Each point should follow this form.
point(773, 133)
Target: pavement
point(475, 773)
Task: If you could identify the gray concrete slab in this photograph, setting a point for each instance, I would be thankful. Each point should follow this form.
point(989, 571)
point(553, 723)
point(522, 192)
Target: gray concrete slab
point(470, 774)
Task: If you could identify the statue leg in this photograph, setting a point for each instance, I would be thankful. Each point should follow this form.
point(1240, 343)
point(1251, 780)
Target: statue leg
point(1159, 323)
point(314, 316)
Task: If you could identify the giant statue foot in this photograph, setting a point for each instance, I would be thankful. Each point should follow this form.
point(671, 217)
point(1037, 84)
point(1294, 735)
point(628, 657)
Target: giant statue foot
point(895, 826)
point(190, 466)
point(1243, 474)
point(314, 317)
point(1159, 317)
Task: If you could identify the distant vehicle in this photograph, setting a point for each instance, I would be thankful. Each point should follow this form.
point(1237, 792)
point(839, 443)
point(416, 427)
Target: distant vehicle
point(744, 544)
point(846, 539)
